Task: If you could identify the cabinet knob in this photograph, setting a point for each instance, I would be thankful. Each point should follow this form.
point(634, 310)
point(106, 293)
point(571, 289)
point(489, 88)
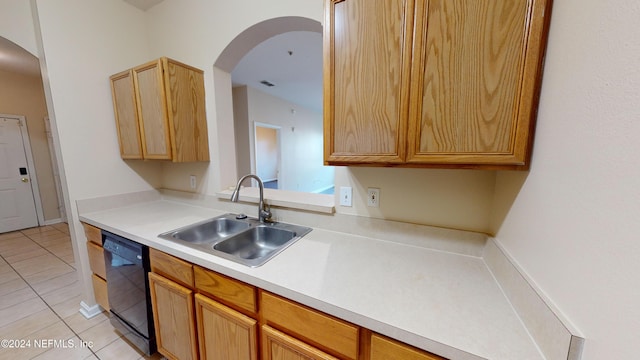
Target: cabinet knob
point(24, 180)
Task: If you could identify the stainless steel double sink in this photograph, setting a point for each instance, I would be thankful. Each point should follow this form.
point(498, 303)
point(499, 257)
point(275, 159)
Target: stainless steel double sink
point(238, 238)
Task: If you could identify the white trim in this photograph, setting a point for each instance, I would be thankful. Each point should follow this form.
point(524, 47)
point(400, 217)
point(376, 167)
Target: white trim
point(33, 177)
point(53, 221)
point(89, 311)
point(55, 169)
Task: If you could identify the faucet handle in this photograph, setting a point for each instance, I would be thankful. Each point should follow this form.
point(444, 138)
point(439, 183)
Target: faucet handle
point(265, 212)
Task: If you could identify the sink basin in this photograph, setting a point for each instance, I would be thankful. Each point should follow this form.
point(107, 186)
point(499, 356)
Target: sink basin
point(255, 243)
point(243, 240)
point(207, 231)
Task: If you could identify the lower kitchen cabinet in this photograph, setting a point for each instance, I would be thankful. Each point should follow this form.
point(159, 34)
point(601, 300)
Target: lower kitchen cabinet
point(383, 348)
point(201, 314)
point(224, 333)
point(174, 320)
point(95, 253)
point(190, 325)
point(277, 345)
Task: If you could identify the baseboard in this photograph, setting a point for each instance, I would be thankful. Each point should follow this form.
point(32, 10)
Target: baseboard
point(89, 311)
point(52, 222)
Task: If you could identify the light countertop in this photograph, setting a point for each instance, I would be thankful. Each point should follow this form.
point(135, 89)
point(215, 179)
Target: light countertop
point(445, 303)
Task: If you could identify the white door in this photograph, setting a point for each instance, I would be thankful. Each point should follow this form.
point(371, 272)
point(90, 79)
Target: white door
point(17, 205)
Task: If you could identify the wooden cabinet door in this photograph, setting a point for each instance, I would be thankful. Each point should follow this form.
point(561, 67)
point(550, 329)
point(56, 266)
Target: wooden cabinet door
point(383, 348)
point(124, 105)
point(367, 61)
point(185, 106)
point(475, 81)
point(224, 333)
point(152, 110)
point(174, 319)
point(279, 346)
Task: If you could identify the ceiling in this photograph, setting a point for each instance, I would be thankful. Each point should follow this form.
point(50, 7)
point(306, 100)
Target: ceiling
point(292, 62)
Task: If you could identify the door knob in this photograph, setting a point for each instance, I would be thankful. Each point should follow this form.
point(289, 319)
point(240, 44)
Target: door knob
point(24, 179)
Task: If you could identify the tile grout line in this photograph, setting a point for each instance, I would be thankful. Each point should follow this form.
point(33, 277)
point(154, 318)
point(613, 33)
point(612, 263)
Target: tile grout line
point(39, 295)
point(49, 251)
point(94, 353)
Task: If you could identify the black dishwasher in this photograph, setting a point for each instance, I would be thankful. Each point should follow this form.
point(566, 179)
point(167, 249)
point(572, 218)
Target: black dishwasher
point(127, 264)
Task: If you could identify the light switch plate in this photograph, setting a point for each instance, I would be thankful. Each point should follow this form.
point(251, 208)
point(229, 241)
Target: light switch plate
point(345, 196)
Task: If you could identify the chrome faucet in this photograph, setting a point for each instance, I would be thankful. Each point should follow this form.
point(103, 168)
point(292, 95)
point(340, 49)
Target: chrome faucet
point(264, 215)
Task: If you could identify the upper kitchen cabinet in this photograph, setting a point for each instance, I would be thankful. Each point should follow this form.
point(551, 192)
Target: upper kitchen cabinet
point(433, 83)
point(160, 112)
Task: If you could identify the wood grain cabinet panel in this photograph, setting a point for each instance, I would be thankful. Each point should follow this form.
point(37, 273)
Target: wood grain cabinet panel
point(321, 330)
point(160, 112)
point(95, 253)
point(366, 69)
point(152, 111)
point(232, 292)
point(433, 83)
point(277, 345)
point(224, 333)
point(383, 348)
point(174, 318)
point(92, 233)
point(124, 105)
point(171, 267)
point(100, 291)
point(96, 259)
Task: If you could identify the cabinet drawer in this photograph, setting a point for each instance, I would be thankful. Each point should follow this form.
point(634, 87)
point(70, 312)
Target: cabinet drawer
point(277, 345)
point(100, 291)
point(96, 259)
point(92, 233)
point(324, 331)
point(383, 348)
point(171, 267)
point(230, 291)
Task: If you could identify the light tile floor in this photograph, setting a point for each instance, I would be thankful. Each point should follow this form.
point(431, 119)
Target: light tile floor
point(39, 301)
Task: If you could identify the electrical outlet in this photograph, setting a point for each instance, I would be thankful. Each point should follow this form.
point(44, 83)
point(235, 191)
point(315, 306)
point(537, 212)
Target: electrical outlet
point(192, 181)
point(345, 196)
point(373, 197)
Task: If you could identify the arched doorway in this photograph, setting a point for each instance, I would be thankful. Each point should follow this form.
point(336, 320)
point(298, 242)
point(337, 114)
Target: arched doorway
point(253, 37)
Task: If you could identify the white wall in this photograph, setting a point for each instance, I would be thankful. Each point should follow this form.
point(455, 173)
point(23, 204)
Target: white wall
point(83, 47)
point(82, 43)
point(301, 165)
point(575, 223)
point(16, 24)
